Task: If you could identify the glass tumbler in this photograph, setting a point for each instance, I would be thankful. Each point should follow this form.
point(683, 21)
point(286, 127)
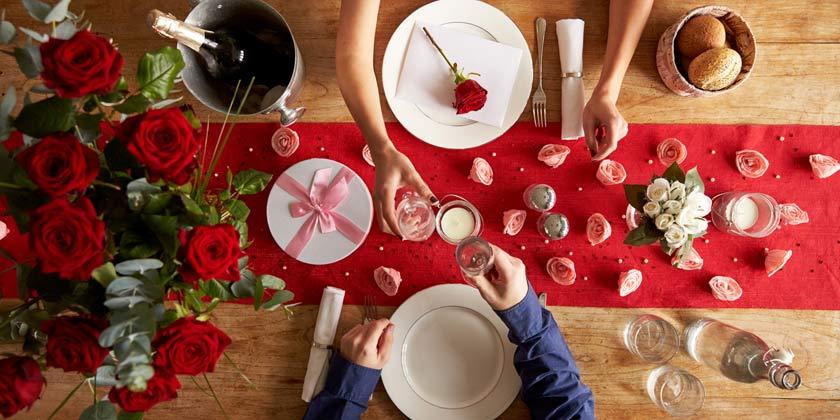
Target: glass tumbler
point(415, 217)
point(754, 215)
point(676, 391)
point(474, 256)
point(651, 339)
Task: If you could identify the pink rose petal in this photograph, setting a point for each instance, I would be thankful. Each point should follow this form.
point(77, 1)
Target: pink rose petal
point(631, 217)
point(481, 172)
point(823, 166)
point(751, 163)
point(4, 230)
point(285, 141)
point(367, 156)
point(692, 261)
point(553, 155)
point(387, 279)
point(725, 288)
point(513, 221)
point(561, 270)
point(671, 150)
point(629, 282)
point(776, 259)
point(792, 214)
point(598, 229)
point(611, 172)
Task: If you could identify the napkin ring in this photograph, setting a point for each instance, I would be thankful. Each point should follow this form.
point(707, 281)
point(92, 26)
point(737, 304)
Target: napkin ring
point(571, 74)
point(322, 346)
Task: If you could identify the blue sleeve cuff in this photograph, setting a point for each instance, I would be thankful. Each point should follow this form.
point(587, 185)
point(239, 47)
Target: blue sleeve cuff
point(525, 319)
point(350, 381)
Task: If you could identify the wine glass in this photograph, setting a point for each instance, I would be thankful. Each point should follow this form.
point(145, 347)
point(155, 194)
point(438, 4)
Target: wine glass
point(474, 256)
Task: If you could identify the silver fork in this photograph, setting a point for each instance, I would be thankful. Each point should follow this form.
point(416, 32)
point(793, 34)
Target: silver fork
point(538, 99)
point(370, 311)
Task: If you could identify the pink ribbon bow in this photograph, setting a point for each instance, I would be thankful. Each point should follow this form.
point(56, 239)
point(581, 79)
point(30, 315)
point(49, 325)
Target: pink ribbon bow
point(320, 203)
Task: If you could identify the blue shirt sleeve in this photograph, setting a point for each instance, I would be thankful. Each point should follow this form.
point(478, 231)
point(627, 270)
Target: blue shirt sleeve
point(551, 384)
point(346, 392)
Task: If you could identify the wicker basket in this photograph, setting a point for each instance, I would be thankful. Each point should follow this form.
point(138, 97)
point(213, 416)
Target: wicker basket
point(738, 35)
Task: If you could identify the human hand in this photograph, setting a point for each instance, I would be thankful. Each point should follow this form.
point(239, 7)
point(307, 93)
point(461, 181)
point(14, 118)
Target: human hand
point(506, 285)
point(603, 125)
point(369, 345)
point(393, 171)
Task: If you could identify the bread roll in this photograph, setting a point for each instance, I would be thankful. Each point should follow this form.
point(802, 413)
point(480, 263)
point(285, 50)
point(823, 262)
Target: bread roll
point(699, 34)
point(715, 69)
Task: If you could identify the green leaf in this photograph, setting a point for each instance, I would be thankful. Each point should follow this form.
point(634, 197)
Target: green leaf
point(118, 157)
point(250, 181)
point(239, 210)
point(64, 30)
point(156, 72)
point(641, 236)
point(663, 244)
point(674, 173)
point(48, 116)
point(37, 36)
point(131, 267)
point(188, 114)
point(242, 228)
point(193, 301)
point(7, 31)
point(635, 195)
point(29, 60)
point(693, 179)
point(122, 85)
point(135, 104)
point(104, 274)
point(105, 375)
point(194, 211)
point(271, 282)
point(134, 245)
point(100, 410)
point(158, 203)
point(139, 192)
point(259, 290)
point(125, 415)
point(6, 106)
point(87, 127)
point(165, 229)
point(217, 289)
point(46, 13)
point(279, 298)
point(245, 286)
point(685, 249)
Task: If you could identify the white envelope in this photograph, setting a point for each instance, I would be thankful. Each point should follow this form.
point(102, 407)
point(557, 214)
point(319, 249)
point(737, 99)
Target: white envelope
point(427, 81)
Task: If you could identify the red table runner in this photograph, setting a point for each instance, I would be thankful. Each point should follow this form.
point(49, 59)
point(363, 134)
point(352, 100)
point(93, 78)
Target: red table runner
point(810, 280)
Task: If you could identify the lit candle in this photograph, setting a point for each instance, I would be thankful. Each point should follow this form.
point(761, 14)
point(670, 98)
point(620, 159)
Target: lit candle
point(457, 223)
point(745, 213)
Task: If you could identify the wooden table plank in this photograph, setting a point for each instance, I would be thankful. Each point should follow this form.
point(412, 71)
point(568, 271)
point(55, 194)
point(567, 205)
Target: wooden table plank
point(273, 352)
point(794, 81)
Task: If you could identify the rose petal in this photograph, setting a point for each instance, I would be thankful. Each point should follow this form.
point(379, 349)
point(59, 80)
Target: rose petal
point(481, 172)
point(553, 155)
point(4, 230)
point(285, 141)
point(792, 214)
point(387, 279)
point(561, 270)
point(598, 229)
point(513, 221)
point(632, 217)
point(823, 166)
point(776, 259)
point(629, 282)
point(611, 172)
point(725, 288)
point(692, 261)
point(367, 156)
point(751, 163)
point(670, 151)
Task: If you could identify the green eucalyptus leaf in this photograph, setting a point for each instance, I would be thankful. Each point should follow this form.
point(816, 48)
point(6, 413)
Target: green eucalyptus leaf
point(157, 70)
point(693, 180)
point(104, 274)
point(238, 209)
point(245, 286)
point(139, 192)
point(134, 104)
point(6, 106)
point(271, 282)
point(37, 36)
point(105, 375)
point(279, 298)
point(125, 415)
point(126, 302)
point(250, 181)
point(132, 267)
point(171, 101)
point(64, 30)
point(635, 195)
point(37, 9)
point(29, 60)
point(41, 89)
point(7, 31)
point(47, 116)
point(100, 410)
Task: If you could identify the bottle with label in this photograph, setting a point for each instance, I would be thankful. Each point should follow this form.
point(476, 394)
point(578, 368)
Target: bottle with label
point(740, 355)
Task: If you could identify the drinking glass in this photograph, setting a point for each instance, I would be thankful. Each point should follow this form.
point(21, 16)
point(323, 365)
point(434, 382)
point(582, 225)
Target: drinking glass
point(474, 256)
point(651, 339)
point(676, 391)
point(415, 217)
point(754, 215)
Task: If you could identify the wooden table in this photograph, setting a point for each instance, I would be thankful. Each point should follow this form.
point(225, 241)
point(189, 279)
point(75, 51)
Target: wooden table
point(795, 81)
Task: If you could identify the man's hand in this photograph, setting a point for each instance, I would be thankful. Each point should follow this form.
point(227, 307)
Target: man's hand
point(506, 285)
point(369, 345)
point(393, 171)
point(603, 125)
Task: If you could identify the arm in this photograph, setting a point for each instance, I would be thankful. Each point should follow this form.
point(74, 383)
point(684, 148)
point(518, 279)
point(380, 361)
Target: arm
point(357, 81)
point(354, 373)
point(551, 384)
point(627, 20)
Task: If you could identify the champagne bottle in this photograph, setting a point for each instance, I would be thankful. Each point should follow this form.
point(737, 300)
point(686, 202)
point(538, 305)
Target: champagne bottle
point(740, 355)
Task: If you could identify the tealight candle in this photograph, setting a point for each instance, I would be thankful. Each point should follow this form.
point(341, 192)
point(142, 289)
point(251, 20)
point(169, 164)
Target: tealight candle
point(745, 214)
point(457, 223)
point(539, 197)
point(553, 226)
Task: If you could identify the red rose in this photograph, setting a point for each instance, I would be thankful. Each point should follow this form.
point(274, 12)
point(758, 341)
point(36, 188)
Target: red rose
point(83, 64)
point(21, 384)
point(163, 141)
point(73, 343)
point(59, 164)
point(469, 96)
point(162, 387)
point(68, 238)
point(210, 252)
point(189, 347)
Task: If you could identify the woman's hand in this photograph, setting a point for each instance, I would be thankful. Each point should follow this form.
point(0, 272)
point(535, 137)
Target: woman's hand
point(394, 171)
point(603, 125)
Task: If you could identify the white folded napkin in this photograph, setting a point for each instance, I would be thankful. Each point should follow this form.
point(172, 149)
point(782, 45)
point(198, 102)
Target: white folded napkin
point(570, 44)
point(325, 325)
point(427, 81)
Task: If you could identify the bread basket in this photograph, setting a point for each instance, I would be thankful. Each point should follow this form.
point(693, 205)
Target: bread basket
point(738, 34)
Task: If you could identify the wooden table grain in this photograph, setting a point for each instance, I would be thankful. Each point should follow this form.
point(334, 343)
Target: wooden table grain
point(795, 81)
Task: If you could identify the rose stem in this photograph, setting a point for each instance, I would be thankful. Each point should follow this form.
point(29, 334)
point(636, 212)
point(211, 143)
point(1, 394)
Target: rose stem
point(440, 50)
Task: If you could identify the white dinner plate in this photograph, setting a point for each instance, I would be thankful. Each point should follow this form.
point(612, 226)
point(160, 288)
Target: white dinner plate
point(473, 17)
point(322, 248)
point(451, 358)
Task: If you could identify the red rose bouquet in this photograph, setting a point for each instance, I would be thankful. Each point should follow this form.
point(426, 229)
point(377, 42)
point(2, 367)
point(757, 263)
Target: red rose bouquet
point(469, 94)
point(113, 186)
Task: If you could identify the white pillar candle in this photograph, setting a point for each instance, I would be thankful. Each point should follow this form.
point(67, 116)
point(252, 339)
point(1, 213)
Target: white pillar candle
point(457, 223)
point(745, 213)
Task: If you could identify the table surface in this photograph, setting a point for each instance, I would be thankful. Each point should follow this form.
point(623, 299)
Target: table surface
point(795, 81)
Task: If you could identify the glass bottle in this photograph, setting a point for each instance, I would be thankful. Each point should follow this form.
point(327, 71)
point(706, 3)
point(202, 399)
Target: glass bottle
point(740, 355)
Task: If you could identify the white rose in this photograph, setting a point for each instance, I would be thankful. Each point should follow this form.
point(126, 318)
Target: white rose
point(675, 236)
point(652, 209)
point(672, 207)
point(663, 221)
point(700, 204)
point(695, 226)
point(677, 191)
point(658, 190)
